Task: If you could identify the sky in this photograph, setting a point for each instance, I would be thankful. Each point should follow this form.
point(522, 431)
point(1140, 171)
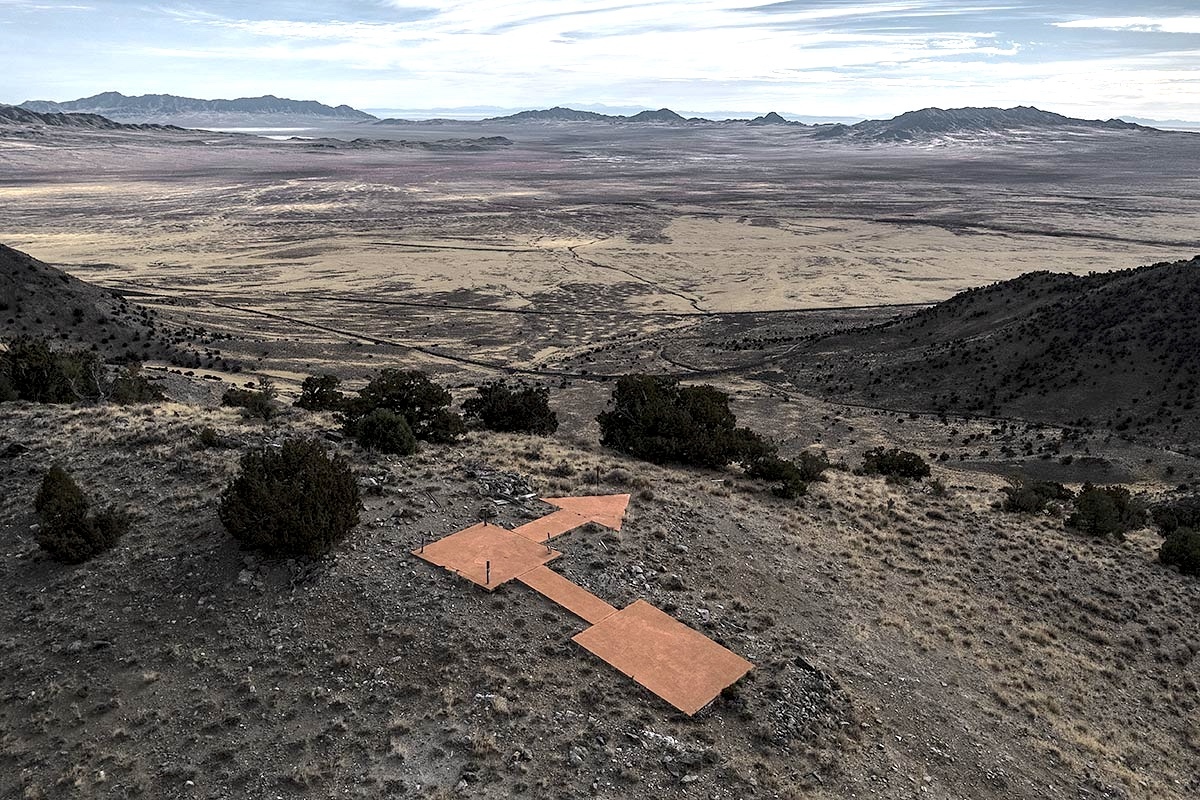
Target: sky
point(836, 58)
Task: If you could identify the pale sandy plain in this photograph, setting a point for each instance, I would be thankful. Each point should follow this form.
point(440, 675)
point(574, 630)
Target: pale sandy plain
point(603, 233)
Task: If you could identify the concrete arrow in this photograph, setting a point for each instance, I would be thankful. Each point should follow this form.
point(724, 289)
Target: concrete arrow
point(607, 510)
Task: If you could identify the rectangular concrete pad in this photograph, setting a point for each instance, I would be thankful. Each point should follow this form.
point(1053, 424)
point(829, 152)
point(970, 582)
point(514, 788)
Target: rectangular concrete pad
point(551, 525)
point(680, 665)
point(468, 551)
point(571, 596)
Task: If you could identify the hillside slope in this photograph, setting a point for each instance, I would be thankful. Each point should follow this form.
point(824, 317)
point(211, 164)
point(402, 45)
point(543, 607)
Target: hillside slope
point(1119, 350)
point(902, 640)
point(17, 116)
point(40, 300)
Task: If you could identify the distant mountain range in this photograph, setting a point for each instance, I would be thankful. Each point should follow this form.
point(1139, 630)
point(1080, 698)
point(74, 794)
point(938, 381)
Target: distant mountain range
point(663, 116)
point(15, 115)
point(559, 114)
point(168, 107)
point(1166, 124)
point(914, 126)
point(925, 125)
point(935, 122)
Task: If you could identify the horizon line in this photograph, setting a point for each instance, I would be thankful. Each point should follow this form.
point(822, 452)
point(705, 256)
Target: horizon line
point(476, 113)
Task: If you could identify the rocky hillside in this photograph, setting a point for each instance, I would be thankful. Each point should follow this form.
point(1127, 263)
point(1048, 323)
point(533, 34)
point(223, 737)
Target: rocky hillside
point(165, 107)
point(41, 300)
point(1117, 350)
point(17, 116)
point(930, 123)
point(904, 638)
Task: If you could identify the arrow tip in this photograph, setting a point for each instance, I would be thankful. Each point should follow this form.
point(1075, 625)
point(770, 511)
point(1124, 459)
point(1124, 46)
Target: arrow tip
point(607, 510)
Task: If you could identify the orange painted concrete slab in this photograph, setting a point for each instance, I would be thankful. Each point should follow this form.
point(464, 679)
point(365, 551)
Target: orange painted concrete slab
point(551, 525)
point(571, 596)
point(469, 551)
point(680, 665)
point(607, 510)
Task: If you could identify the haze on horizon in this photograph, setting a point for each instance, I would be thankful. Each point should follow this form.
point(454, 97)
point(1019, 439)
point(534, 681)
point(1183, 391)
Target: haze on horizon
point(816, 57)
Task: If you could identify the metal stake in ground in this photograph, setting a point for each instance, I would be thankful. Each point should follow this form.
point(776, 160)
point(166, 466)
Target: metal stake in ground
point(488, 573)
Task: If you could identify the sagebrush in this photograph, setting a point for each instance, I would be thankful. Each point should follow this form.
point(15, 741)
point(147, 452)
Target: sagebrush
point(1106, 511)
point(1033, 497)
point(321, 393)
point(519, 408)
point(896, 464)
point(654, 418)
point(1182, 549)
point(295, 500)
point(66, 529)
point(385, 432)
point(32, 370)
point(411, 394)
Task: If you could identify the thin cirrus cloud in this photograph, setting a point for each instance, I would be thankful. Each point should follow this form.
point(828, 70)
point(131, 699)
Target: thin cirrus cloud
point(1142, 24)
point(595, 43)
point(834, 57)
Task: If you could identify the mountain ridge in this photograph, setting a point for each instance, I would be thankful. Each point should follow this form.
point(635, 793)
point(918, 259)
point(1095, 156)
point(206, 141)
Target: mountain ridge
point(661, 116)
point(911, 126)
point(16, 115)
point(115, 105)
point(933, 122)
point(1116, 349)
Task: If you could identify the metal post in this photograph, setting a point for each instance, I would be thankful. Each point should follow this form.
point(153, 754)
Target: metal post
point(488, 578)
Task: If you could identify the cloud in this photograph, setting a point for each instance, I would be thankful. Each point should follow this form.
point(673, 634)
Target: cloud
point(671, 40)
point(842, 57)
point(1142, 24)
point(28, 5)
